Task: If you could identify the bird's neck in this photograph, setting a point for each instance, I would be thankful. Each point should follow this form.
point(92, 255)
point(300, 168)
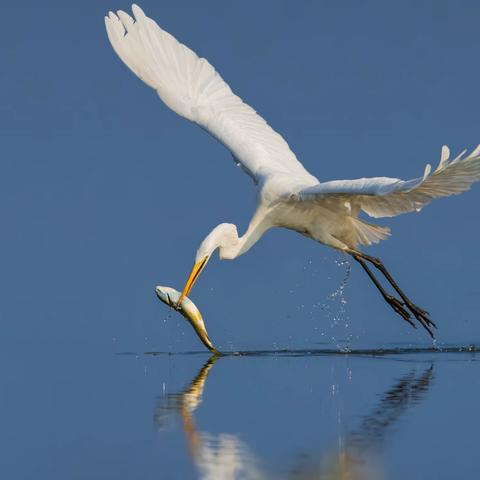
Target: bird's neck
point(241, 245)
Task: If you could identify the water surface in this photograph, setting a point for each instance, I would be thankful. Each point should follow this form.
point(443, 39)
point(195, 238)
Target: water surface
point(394, 413)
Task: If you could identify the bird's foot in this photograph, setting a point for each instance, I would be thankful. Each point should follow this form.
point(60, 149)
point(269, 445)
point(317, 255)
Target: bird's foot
point(423, 317)
point(399, 307)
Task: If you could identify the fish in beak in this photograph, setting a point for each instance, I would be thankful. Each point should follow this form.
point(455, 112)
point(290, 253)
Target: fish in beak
point(188, 309)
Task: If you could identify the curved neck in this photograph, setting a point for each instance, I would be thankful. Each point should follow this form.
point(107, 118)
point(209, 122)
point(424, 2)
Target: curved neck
point(242, 244)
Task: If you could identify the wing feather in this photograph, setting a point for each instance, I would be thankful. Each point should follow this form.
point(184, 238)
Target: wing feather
point(387, 197)
point(192, 88)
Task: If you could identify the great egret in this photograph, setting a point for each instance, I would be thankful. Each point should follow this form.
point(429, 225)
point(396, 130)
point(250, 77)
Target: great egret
point(288, 195)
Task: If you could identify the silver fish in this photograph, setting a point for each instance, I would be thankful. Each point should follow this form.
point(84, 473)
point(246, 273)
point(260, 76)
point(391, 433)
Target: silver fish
point(189, 310)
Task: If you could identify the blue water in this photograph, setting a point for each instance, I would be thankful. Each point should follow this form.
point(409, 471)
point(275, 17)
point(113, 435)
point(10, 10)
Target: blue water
point(395, 413)
point(105, 193)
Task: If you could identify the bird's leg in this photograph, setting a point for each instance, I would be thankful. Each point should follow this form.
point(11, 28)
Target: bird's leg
point(421, 315)
point(396, 304)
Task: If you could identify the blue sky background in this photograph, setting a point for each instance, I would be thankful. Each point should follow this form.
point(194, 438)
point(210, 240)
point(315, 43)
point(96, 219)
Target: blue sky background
point(105, 193)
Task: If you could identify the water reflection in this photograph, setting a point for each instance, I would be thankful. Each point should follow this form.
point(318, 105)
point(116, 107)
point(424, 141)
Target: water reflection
point(408, 391)
point(357, 457)
point(360, 457)
point(222, 456)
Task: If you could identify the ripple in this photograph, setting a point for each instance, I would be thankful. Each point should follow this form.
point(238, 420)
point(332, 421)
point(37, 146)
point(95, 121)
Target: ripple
point(308, 352)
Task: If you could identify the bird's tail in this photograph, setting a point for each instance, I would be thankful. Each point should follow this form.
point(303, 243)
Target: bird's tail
point(367, 233)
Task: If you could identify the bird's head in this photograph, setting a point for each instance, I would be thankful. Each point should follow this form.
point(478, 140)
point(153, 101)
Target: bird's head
point(225, 238)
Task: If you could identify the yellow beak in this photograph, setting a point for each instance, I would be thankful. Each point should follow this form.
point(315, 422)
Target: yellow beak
point(196, 270)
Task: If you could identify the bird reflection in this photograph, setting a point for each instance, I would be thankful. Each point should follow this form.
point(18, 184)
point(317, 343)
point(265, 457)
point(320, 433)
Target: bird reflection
point(359, 458)
point(223, 456)
point(409, 390)
point(227, 457)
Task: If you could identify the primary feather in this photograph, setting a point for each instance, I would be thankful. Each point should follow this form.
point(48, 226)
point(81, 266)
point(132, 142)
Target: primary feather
point(387, 197)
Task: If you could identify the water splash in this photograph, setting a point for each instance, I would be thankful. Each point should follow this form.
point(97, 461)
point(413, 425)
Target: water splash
point(335, 309)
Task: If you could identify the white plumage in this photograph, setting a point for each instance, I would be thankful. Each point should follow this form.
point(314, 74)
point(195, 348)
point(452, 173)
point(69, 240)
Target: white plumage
point(288, 195)
point(191, 87)
point(387, 197)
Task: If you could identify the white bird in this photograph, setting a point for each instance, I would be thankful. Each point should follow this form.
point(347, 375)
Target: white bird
point(288, 195)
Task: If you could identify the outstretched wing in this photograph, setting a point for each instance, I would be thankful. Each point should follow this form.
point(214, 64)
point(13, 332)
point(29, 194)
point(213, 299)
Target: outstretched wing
point(387, 197)
point(191, 87)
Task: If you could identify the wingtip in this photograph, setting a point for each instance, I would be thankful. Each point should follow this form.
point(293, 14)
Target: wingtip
point(475, 152)
point(137, 11)
point(428, 169)
point(114, 27)
point(109, 22)
point(125, 18)
point(444, 156)
point(445, 152)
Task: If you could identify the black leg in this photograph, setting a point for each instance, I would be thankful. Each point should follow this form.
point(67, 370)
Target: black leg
point(396, 304)
point(421, 315)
